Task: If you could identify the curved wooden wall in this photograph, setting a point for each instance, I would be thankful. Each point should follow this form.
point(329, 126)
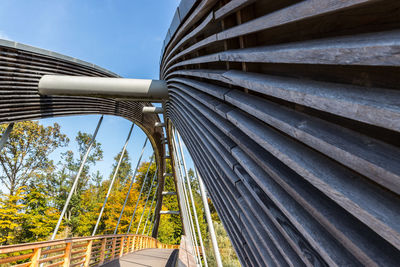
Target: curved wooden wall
point(22, 66)
point(291, 111)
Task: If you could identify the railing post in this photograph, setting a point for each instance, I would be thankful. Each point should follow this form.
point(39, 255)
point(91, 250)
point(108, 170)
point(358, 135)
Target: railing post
point(114, 243)
point(128, 244)
point(35, 257)
point(67, 254)
point(121, 246)
point(88, 253)
point(133, 244)
point(103, 250)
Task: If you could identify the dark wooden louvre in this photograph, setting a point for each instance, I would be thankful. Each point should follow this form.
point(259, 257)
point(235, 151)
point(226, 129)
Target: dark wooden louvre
point(291, 111)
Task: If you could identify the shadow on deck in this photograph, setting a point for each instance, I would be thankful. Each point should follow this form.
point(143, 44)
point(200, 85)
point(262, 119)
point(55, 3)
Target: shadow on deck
point(146, 258)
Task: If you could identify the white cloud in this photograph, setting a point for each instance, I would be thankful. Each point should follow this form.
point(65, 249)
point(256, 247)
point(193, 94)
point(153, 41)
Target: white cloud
point(4, 36)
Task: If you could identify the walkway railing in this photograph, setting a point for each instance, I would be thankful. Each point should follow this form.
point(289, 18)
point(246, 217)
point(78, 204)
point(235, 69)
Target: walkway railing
point(80, 251)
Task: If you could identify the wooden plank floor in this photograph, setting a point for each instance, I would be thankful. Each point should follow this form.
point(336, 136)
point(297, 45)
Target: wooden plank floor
point(145, 258)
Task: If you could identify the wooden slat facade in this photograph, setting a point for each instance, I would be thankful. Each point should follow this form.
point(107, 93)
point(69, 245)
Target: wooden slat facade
point(291, 112)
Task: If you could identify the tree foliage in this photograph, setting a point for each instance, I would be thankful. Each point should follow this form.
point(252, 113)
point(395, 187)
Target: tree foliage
point(11, 216)
point(26, 152)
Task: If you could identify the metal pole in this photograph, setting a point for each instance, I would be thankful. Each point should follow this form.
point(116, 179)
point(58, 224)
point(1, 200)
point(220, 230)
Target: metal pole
point(140, 194)
point(209, 220)
point(192, 200)
point(183, 199)
point(178, 185)
point(145, 204)
point(112, 180)
point(185, 214)
point(76, 179)
point(6, 134)
point(122, 88)
point(151, 221)
point(194, 238)
point(148, 215)
point(181, 193)
point(130, 187)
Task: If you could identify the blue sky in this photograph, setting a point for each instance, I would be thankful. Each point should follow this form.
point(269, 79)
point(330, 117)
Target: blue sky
point(122, 36)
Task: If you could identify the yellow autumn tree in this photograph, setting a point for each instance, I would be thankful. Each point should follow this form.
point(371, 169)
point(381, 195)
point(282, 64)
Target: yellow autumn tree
point(11, 215)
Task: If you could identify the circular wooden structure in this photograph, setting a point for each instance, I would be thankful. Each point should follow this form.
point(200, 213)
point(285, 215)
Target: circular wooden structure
point(291, 111)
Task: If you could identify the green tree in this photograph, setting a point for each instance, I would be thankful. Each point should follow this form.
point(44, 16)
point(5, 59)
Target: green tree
point(124, 172)
point(228, 254)
point(26, 152)
point(93, 198)
point(170, 228)
point(64, 179)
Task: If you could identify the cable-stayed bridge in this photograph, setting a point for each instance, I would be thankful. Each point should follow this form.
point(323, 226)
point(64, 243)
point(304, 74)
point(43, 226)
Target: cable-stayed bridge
point(290, 111)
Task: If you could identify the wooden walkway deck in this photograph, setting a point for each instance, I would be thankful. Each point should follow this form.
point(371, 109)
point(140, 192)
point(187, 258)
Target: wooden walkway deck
point(146, 258)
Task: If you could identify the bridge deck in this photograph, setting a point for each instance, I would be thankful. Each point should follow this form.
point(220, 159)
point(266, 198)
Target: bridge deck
point(147, 257)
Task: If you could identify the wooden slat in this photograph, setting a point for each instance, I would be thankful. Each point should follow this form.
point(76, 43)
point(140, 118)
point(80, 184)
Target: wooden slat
point(190, 35)
point(78, 251)
point(301, 11)
point(376, 106)
point(350, 148)
point(77, 263)
point(55, 264)
point(366, 205)
point(231, 7)
point(77, 257)
point(80, 245)
point(366, 259)
point(196, 46)
point(59, 256)
point(233, 209)
point(377, 49)
point(15, 258)
point(23, 264)
point(202, 9)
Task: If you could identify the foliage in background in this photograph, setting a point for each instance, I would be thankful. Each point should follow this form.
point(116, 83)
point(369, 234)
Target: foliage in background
point(11, 216)
point(26, 152)
point(228, 254)
point(38, 189)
